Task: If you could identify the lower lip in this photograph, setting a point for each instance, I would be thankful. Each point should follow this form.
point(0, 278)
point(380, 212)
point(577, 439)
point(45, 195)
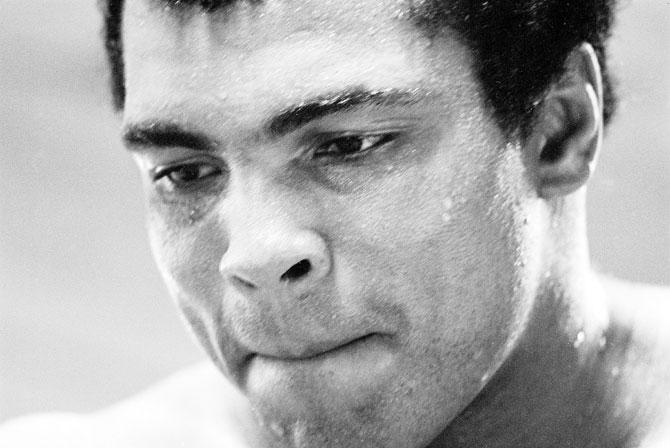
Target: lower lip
point(356, 362)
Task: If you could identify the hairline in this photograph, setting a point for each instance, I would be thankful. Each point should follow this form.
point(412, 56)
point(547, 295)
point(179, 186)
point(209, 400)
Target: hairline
point(510, 121)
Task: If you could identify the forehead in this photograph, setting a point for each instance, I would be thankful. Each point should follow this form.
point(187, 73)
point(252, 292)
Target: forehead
point(276, 52)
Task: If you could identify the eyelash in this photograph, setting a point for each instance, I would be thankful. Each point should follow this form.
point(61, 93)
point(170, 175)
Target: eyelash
point(378, 140)
point(368, 143)
point(211, 171)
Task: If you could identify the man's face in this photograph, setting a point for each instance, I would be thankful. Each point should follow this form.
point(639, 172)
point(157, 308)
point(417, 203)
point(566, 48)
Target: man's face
point(333, 208)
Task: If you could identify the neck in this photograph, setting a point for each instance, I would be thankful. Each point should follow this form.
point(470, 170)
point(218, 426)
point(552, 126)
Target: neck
point(545, 391)
point(555, 388)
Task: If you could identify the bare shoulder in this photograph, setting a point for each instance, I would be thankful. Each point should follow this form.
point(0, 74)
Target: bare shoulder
point(644, 307)
point(641, 316)
point(48, 430)
point(195, 405)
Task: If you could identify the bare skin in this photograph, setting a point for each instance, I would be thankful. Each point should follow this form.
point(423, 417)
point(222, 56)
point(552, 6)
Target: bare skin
point(617, 395)
point(394, 271)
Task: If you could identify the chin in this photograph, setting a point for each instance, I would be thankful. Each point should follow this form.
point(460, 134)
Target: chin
point(399, 406)
point(289, 428)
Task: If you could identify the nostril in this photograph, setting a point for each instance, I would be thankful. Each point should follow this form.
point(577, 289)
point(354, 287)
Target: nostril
point(298, 270)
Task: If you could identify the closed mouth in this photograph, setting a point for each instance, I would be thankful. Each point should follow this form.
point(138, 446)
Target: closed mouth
point(351, 355)
point(318, 352)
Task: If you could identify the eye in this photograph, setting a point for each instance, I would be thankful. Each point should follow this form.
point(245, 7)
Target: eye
point(349, 147)
point(187, 174)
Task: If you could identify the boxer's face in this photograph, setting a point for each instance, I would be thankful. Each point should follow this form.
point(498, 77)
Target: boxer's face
point(333, 208)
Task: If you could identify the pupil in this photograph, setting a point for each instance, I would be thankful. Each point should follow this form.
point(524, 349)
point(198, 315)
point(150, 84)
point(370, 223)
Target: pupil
point(350, 145)
point(188, 173)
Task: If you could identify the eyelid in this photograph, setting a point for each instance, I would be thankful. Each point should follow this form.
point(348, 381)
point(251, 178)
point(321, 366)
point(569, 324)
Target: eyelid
point(161, 170)
point(385, 137)
point(374, 129)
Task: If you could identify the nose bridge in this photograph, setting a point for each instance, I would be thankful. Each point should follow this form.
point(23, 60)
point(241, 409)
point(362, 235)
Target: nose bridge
point(271, 247)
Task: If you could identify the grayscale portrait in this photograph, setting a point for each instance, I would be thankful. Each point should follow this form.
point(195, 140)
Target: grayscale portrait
point(335, 224)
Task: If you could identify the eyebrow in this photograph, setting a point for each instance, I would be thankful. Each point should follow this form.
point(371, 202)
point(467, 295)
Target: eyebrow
point(169, 135)
point(292, 118)
point(166, 135)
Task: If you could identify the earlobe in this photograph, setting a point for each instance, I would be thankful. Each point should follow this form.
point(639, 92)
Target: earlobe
point(566, 136)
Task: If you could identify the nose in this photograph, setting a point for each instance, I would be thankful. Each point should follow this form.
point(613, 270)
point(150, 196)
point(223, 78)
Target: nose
point(292, 261)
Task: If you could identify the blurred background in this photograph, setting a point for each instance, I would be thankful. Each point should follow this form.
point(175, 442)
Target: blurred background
point(84, 317)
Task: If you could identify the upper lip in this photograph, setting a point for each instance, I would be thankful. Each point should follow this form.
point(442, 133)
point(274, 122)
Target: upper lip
point(240, 355)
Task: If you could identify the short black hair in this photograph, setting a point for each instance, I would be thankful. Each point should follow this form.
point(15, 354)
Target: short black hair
point(520, 46)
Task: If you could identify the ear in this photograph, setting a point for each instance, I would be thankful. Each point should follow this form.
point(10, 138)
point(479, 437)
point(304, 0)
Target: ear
point(566, 136)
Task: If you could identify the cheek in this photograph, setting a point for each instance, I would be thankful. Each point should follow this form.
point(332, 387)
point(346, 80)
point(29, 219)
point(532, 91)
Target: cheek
point(480, 277)
point(447, 250)
point(479, 271)
point(187, 254)
point(445, 246)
